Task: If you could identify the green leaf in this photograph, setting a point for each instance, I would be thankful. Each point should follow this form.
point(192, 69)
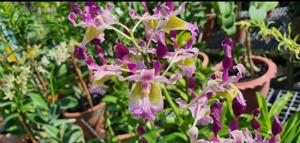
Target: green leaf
point(62, 70)
point(290, 126)
point(51, 130)
point(279, 104)
point(110, 99)
point(38, 100)
point(68, 102)
point(267, 6)
point(257, 14)
point(263, 106)
point(175, 137)
point(10, 117)
point(225, 8)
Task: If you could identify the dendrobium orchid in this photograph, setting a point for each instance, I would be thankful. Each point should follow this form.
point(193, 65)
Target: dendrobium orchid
point(145, 97)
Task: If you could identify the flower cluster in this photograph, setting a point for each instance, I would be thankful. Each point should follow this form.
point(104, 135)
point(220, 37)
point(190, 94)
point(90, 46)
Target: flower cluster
point(139, 63)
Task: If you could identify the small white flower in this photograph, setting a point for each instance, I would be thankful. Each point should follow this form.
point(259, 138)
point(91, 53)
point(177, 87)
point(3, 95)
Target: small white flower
point(45, 61)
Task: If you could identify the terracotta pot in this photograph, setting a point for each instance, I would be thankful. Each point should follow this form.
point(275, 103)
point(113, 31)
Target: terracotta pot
point(8, 138)
point(90, 120)
point(260, 84)
point(204, 58)
point(209, 27)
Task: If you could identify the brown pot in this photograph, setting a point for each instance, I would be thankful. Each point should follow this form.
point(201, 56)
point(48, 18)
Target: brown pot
point(260, 84)
point(8, 138)
point(204, 58)
point(91, 118)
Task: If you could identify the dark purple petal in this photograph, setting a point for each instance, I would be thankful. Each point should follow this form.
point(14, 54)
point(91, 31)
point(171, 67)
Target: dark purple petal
point(276, 126)
point(213, 76)
point(140, 130)
point(189, 44)
point(100, 54)
point(170, 4)
point(209, 95)
point(156, 67)
point(227, 45)
point(96, 42)
point(238, 105)
point(193, 95)
point(143, 140)
point(255, 124)
point(97, 90)
point(132, 67)
point(216, 112)
point(173, 35)
point(75, 8)
point(80, 53)
point(227, 64)
point(192, 82)
point(121, 51)
point(234, 125)
point(256, 112)
point(161, 49)
point(91, 63)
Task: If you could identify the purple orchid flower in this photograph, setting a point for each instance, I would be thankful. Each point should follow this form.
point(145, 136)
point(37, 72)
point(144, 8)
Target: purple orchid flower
point(276, 130)
point(145, 98)
point(122, 52)
point(80, 52)
point(238, 105)
point(227, 45)
point(165, 19)
point(216, 112)
point(93, 18)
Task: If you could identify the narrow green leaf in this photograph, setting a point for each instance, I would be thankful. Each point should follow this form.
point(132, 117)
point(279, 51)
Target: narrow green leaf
point(263, 106)
point(68, 102)
point(279, 104)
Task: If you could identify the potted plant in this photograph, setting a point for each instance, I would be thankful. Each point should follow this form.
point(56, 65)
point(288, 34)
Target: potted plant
point(260, 69)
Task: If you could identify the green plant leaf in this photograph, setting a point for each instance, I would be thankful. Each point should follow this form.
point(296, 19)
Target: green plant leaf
point(62, 70)
point(279, 104)
point(38, 100)
point(257, 14)
point(263, 106)
point(267, 6)
point(68, 102)
point(175, 137)
point(110, 99)
point(290, 127)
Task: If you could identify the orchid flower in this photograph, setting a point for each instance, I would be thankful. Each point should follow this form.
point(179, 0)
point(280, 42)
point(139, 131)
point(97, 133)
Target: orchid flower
point(94, 19)
point(165, 18)
point(145, 98)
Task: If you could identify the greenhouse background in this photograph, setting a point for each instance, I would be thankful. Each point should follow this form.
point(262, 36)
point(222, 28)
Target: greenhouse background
point(149, 72)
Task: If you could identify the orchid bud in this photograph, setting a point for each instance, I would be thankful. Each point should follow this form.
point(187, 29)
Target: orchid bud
point(276, 126)
point(216, 111)
point(238, 105)
point(161, 49)
point(255, 124)
point(192, 82)
point(156, 67)
point(140, 130)
point(234, 125)
point(80, 53)
point(255, 112)
point(121, 51)
point(227, 45)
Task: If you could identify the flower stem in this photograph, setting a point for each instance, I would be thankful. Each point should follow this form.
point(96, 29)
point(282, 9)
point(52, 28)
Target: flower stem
point(170, 65)
point(85, 88)
point(172, 104)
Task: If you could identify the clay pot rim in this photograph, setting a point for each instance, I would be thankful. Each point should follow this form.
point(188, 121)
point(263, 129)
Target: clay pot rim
point(267, 76)
point(80, 114)
point(204, 57)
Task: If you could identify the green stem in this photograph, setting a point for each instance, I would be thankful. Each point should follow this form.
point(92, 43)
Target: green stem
point(52, 86)
point(172, 104)
point(120, 32)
